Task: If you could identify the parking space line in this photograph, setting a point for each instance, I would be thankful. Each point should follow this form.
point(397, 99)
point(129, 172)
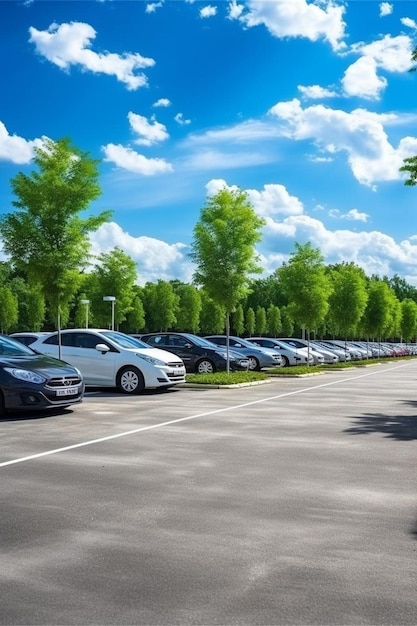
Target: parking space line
point(185, 419)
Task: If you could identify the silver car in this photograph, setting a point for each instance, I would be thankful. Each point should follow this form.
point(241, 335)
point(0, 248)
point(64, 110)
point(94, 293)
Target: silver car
point(257, 356)
point(291, 356)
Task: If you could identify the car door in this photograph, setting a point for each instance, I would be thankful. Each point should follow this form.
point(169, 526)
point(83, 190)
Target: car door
point(98, 368)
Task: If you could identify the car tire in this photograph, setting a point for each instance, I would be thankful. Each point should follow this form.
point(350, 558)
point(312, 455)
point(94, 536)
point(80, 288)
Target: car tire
point(286, 361)
point(205, 366)
point(2, 408)
point(253, 364)
point(130, 380)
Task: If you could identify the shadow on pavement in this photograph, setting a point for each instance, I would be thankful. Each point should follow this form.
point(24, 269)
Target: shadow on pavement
point(19, 416)
point(399, 427)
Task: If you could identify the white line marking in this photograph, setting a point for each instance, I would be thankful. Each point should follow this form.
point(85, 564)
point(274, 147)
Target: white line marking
point(184, 419)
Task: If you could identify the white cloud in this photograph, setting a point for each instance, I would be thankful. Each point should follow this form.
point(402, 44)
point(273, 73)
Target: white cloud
point(206, 159)
point(208, 11)
point(149, 132)
point(297, 18)
point(353, 214)
point(16, 149)
point(360, 134)
point(69, 44)
point(392, 54)
point(128, 159)
point(315, 92)
point(239, 134)
point(152, 6)
point(385, 8)
point(155, 259)
point(361, 79)
point(162, 102)
point(407, 21)
point(234, 10)
point(272, 200)
point(179, 118)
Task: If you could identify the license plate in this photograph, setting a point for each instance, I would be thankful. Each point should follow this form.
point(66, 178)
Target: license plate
point(67, 391)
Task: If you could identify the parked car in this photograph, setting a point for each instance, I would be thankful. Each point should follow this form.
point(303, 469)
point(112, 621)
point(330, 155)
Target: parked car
point(356, 354)
point(108, 358)
point(299, 344)
point(31, 381)
point(342, 354)
point(291, 356)
point(315, 349)
point(257, 356)
point(199, 355)
point(27, 338)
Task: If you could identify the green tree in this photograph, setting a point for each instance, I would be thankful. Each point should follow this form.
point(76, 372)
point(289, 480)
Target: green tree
point(260, 320)
point(212, 316)
point(45, 237)
point(31, 303)
point(273, 320)
point(115, 274)
point(347, 302)
point(8, 309)
point(250, 321)
point(287, 329)
point(238, 319)
point(377, 317)
point(162, 302)
point(307, 286)
point(189, 308)
point(408, 319)
point(223, 248)
point(136, 317)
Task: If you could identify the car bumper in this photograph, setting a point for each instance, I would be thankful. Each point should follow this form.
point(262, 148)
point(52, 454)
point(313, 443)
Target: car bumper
point(31, 397)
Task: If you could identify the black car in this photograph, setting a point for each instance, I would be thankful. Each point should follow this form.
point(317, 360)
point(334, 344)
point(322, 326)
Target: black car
point(198, 354)
point(29, 380)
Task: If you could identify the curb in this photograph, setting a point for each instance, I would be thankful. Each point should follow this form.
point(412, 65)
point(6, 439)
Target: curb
point(208, 386)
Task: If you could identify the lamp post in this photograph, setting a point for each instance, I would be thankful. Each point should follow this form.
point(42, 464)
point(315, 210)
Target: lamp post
point(86, 303)
point(111, 299)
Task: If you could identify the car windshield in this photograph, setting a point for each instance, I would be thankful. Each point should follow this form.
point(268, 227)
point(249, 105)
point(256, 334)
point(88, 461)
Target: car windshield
point(11, 347)
point(199, 341)
point(124, 341)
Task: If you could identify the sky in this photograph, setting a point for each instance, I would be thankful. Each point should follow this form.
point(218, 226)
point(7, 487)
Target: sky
point(309, 107)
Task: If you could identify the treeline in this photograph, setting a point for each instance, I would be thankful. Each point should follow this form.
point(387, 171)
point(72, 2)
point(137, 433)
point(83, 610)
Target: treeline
point(303, 294)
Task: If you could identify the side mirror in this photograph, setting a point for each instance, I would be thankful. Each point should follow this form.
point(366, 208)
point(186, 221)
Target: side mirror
point(101, 347)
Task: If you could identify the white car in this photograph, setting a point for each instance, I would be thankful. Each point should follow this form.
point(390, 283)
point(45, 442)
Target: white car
point(108, 358)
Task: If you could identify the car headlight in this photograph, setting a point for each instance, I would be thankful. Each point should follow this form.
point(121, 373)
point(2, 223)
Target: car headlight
point(26, 375)
point(224, 355)
point(151, 359)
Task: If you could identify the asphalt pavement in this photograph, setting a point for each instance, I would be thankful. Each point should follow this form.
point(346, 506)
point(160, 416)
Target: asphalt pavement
point(288, 503)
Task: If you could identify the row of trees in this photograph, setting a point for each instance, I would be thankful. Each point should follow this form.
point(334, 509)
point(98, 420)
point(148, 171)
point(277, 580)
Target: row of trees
point(304, 294)
point(51, 272)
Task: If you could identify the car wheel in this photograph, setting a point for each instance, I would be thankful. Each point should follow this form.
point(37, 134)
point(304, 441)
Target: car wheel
point(253, 364)
point(286, 361)
point(130, 380)
point(205, 366)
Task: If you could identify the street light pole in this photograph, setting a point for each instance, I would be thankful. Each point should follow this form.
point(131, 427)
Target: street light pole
point(86, 303)
point(111, 299)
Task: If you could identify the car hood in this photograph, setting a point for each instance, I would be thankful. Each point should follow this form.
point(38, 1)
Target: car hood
point(43, 364)
point(158, 353)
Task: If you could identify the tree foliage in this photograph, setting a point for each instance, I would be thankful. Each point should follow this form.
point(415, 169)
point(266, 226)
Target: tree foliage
point(45, 237)
point(223, 247)
point(307, 286)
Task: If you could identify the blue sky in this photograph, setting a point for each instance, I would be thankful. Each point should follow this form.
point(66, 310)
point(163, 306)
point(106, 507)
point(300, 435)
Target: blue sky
point(307, 106)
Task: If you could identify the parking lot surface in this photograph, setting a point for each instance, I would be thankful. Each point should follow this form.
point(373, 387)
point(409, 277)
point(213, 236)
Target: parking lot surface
point(292, 502)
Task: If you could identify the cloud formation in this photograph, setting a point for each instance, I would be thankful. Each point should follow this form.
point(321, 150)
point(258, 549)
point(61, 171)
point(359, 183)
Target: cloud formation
point(66, 45)
point(127, 159)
